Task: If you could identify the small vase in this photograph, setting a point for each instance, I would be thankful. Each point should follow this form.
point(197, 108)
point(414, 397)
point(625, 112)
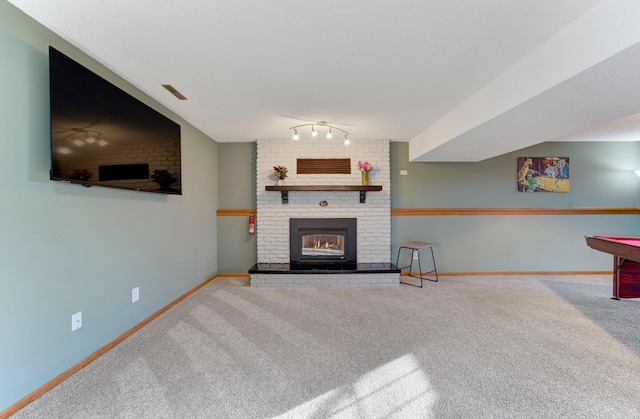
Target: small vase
point(365, 177)
point(280, 182)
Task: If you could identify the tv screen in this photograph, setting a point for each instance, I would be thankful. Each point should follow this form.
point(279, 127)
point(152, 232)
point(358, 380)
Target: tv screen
point(102, 136)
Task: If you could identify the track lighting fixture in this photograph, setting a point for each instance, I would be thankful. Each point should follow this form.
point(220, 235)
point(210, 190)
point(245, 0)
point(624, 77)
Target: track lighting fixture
point(314, 133)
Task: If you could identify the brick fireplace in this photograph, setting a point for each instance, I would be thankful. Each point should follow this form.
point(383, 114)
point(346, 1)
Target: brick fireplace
point(373, 216)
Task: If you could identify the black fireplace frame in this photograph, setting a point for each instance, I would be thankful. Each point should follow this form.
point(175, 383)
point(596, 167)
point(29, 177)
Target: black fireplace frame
point(301, 226)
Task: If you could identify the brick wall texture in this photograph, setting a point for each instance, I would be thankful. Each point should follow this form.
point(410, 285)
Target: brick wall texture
point(374, 220)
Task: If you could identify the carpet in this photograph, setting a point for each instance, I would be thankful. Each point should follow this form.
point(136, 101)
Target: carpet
point(477, 346)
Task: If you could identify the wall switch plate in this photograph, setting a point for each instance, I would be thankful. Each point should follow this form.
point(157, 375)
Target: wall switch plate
point(135, 294)
point(403, 173)
point(76, 321)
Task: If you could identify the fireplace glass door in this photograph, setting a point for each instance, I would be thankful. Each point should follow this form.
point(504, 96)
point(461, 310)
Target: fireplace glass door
point(323, 241)
point(319, 245)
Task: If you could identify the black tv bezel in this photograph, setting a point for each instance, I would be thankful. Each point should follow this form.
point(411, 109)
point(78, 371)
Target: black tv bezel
point(61, 179)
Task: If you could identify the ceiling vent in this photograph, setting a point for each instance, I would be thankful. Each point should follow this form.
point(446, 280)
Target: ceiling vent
point(174, 91)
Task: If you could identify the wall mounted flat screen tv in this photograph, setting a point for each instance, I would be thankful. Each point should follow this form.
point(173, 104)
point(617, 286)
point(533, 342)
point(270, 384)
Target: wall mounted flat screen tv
point(102, 136)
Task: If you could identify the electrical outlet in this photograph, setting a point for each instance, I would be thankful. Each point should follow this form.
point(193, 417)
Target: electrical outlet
point(76, 321)
point(135, 294)
point(403, 173)
point(415, 255)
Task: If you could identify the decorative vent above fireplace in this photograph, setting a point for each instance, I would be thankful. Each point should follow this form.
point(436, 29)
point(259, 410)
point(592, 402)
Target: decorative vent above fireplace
point(323, 166)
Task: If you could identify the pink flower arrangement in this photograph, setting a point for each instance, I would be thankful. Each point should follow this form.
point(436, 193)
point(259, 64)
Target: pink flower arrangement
point(364, 166)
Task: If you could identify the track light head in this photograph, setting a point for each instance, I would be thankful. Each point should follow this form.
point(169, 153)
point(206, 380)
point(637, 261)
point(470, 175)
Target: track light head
point(314, 133)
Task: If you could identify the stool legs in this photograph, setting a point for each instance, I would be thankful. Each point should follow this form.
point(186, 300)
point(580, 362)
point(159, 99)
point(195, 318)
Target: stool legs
point(433, 258)
point(410, 266)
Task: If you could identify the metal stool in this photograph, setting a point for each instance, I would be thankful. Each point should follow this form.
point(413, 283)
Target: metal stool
point(415, 247)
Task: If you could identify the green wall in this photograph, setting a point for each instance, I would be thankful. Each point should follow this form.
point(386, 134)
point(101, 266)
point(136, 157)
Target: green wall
point(237, 250)
point(65, 248)
point(601, 176)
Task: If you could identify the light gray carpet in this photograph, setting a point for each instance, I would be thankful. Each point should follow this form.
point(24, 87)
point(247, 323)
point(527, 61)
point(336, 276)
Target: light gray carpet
point(500, 346)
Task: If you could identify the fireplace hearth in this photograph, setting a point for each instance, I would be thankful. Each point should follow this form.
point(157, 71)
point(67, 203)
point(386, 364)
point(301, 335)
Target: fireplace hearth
point(323, 241)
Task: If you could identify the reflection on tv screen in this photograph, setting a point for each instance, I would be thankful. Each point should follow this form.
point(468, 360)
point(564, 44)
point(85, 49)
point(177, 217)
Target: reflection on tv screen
point(101, 135)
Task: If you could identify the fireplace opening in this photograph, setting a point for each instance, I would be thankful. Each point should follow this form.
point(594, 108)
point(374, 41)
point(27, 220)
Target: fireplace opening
point(323, 241)
point(315, 244)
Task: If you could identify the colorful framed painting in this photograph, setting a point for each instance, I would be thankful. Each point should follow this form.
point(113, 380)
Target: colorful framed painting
point(543, 174)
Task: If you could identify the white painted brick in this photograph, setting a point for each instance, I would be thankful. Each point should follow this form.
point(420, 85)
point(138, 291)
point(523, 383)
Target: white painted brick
point(374, 221)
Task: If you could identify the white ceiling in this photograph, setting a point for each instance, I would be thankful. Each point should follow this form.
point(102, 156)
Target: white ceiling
point(461, 80)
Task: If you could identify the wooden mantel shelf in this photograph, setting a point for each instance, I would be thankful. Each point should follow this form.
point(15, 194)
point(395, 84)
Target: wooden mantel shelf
point(284, 190)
